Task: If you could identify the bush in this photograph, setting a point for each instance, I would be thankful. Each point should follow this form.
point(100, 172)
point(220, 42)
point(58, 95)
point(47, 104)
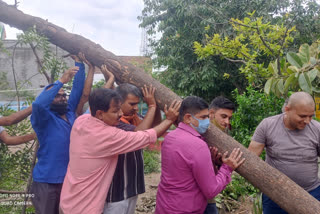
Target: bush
point(151, 161)
point(252, 107)
point(237, 189)
point(15, 167)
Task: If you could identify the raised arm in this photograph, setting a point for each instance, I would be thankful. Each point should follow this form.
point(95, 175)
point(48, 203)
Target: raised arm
point(157, 118)
point(15, 117)
point(108, 76)
point(42, 103)
point(148, 96)
point(87, 85)
point(171, 116)
point(119, 141)
point(77, 87)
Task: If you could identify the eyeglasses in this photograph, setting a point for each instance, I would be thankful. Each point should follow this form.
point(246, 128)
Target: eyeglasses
point(59, 96)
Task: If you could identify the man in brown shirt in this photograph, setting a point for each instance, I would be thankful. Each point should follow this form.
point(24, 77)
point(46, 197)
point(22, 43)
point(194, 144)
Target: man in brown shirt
point(220, 113)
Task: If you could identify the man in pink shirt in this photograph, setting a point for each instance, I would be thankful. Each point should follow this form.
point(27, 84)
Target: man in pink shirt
point(95, 144)
point(188, 179)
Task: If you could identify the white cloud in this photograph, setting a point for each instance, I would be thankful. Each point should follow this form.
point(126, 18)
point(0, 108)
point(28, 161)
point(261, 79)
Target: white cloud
point(111, 23)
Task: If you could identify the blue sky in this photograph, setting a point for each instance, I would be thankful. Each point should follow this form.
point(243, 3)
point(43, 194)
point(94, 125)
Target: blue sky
point(111, 23)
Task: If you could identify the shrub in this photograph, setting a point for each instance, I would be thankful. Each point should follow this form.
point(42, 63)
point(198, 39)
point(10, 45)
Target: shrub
point(238, 188)
point(15, 166)
point(151, 161)
point(252, 107)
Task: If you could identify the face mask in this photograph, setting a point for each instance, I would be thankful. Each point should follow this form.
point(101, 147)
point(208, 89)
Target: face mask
point(218, 125)
point(203, 125)
point(60, 108)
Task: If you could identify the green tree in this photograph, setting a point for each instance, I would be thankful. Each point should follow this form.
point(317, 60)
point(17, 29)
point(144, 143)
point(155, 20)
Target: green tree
point(298, 71)
point(180, 23)
point(262, 48)
point(255, 43)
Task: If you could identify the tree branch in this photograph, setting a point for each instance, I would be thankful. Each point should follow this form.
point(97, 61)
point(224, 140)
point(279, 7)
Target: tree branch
point(285, 35)
point(14, 75)
point(248, 26)
point(39, 62)
point(263, 41)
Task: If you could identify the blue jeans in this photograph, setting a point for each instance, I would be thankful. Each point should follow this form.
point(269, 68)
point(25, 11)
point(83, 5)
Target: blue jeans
point(211, 209)
point(269, 207)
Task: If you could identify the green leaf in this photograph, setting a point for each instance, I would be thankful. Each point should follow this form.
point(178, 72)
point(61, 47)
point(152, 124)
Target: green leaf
point(283, 65)
point(313, 60)
point(304, 83)
point(273, 68)
point(294, 59)
point(292, 69)
point(280, 86)
point(274, 87)
point(267, 86)
point(316, 89)
point(289, 81)
point(304, 53)
point(313, 74)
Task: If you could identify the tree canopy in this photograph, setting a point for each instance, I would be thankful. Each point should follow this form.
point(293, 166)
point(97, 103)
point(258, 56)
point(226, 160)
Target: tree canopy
point(180, 23)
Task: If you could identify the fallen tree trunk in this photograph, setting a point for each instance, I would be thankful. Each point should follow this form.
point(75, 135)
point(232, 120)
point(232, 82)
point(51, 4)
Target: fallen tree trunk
point(277, 186)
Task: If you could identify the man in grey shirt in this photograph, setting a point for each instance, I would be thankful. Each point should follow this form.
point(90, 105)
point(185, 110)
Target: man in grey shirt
point(292, 143)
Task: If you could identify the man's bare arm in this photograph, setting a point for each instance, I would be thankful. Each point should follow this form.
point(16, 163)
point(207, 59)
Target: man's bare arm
point(15, 117)
point(16, 140)
point(256, 147)
point(87, 85)
point(172, 114)
point(157, 117)
point(108, 76)
point(148, 96)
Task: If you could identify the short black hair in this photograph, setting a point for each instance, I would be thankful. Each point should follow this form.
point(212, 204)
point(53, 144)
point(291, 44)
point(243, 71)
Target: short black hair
point(127, 88)
point(222, 102)
point(192, 105)
point(101, 98)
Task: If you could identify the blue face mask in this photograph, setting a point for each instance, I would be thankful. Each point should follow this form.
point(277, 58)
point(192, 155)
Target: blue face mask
point(203, 125)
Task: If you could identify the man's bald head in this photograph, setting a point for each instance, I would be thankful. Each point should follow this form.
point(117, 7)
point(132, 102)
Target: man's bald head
point(300, 98)
point(299, 111)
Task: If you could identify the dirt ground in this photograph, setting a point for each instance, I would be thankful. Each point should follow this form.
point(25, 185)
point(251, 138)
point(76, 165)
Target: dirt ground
point(147, 201)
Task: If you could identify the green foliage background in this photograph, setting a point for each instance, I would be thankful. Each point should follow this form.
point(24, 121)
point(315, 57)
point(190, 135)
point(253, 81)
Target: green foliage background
point(174, 25)
point(252, 107)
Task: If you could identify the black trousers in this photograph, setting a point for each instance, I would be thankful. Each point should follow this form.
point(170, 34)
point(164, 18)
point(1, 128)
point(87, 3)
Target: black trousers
point(46, 197)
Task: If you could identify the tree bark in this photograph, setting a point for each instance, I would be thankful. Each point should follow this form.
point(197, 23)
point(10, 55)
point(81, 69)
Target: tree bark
point(277, 186)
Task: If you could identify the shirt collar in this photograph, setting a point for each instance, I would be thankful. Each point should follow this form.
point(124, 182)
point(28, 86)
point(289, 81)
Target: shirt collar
point(189, 129)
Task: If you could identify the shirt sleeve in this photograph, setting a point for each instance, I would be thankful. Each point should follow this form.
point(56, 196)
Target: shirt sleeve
point(41, 106)
point(77, 87)
point(117, 141)
point(203, 172)
point(259, 135)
